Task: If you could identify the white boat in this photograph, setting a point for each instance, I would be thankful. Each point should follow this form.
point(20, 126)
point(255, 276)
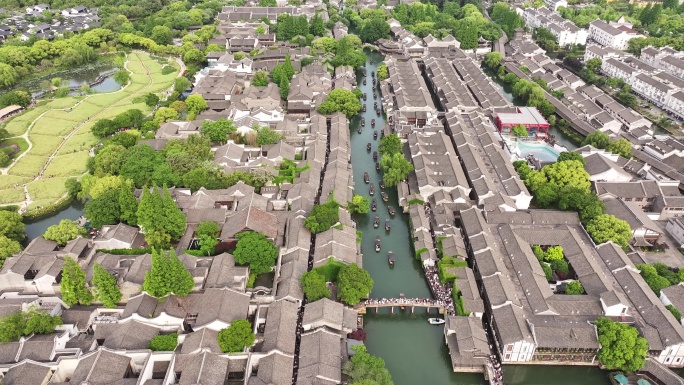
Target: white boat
point(436, 321)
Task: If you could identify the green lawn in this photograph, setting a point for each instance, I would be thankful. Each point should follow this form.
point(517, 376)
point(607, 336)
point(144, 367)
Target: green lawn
point(29, 165)
point(18, 124)
point(11, 195)
point(8, 181)
point(51, 188)
point(79, 142)
point(68, 165)
point(44, 144)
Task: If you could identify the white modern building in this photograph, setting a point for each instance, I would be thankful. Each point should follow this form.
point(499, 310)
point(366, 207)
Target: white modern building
point(565, 31)
point(609, 36)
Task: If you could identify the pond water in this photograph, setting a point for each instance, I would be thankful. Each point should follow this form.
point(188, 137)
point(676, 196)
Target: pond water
point(37, 228)
point(75, 77)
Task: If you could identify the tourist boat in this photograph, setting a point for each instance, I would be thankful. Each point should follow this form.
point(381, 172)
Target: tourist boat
point(375, 134)
point(368, 147)
point(375, 95)
point(366, 178)
point(387, 224)
point(382, 184)
point(373, 73)
point(390, 258)
point(372, 122)
point(364, 82)
point(364, 96)
point(378, 111)
point(376, 222)
point(377, 244)
point(363, 122)
point(385, 197)
point(375, 104)
point(371, 190)
point(359, 130)
point(436, 321)
point(391, 210)
point(364, 108)
point(374, 204)
point(375, 155)
point(377, 167)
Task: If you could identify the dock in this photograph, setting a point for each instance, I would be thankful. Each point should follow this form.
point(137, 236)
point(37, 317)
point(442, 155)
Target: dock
point(402, 303)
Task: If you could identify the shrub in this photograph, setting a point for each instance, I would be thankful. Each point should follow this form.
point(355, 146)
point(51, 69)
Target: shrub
point(164, 343)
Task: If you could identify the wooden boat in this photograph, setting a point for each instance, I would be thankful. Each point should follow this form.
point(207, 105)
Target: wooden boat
point(377, 167)
point(364, 96)
point(363, 122)
point(391, 210)
point(364, 82)
point(384, 196)
point(387, 224)
point(372, 122)
point(382, 184)
point(375, 95)
point(375, 155)
point(375, 104)
point(390, 258)
point(372, 73)
point(377, 244)
point(378, 111)
point(371, 190)
point(374, 204)
point(366, 178)
point(368, 147)
point(376, 222)
point(359, 130)
point(364, 108)
point(375, 134)
point(436, 321)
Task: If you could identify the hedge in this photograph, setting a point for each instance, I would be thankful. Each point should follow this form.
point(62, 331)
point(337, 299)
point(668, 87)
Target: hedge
point(13, 208)
point(48, 210)
point(139, 251)
point(458, 302)
point(420, 251)
point(445, 263)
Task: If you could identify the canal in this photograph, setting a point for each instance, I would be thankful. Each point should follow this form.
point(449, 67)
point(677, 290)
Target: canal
point(414, 351)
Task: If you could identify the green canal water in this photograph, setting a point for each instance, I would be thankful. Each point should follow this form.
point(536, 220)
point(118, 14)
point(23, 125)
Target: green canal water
point(414, 351)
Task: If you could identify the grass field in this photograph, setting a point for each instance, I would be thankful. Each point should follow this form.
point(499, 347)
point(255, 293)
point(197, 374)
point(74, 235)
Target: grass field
point(65, 122)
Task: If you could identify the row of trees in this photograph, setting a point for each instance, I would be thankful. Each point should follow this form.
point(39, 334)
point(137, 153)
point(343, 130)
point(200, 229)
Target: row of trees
point(659, 276)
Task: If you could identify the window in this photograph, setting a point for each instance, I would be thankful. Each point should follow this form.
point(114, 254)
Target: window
point(509, 348)
point(628, 199)
point(507, 357)
point(524, 349)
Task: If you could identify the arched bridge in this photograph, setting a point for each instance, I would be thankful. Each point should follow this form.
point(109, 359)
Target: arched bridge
point(401, 303)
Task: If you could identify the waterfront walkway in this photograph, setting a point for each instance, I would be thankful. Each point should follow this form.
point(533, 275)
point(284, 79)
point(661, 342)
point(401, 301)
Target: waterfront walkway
point(403, 303)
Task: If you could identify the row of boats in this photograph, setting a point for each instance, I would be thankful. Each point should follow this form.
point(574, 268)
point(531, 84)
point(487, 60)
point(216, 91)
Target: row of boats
point(390, 254)
point(363, 124)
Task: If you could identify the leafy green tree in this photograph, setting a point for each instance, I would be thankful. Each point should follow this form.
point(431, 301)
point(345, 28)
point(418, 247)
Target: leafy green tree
point(164, 342)
point(664, 271)
point(594, 65)
point(546, 195)
point(196, 104)
point(354, 283)
point(622, 147)
point(621, 346)
point(236, 337)
point(256, 250)
point(569, 155)
point(266, 136)
point(493, 59)
point(606, 227)
point(33, 321)
point(554, 253)
point(323, 217)
point(317, 27)
point(8, 75)
point(395, 168)
point(597, 139)
point(365, 369)
point(128, 206)
point(341, 100)
point(165, 114)
point(104, 210)
point(538, 252)
point(151, 99)
point(105, 288)
point(207, 232)
point(8, 247)
point(162, 35)
point(158, 214)
point(520, 131)
point(62, 232)
point(103, 128)
point(167, 276)
point(560, 265)
point(652, 278)
point(548, 273)
point(389, 144)
point(122, 77)
point(359, 204)
point(314, 286)
point(574, 288)
point(374, 29)
point(73, 286)
point(567, 173)
point(383, 73)
point(260, 79)
point(11, 225)
point(260, 29)
point(219, 130)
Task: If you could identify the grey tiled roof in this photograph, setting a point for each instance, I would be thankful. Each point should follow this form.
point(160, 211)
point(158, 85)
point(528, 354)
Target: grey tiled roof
point(281, 324)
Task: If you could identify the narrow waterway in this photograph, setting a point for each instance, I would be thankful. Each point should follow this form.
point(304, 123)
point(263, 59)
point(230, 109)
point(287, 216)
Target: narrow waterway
point(37, 228)
point(414, 351)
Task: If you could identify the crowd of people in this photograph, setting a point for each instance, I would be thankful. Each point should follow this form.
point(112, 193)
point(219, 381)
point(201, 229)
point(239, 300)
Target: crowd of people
point(495, 367)
point(403, 301)
point(441, 292)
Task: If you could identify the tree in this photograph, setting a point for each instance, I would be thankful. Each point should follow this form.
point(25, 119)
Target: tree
point(122, 77)
point(560, 265)
point(104, 210)
point(382, 72)
point(62, 232)
point(162, 35)
point(73, 286)
point(652, 278)
point(207, 232)
point(675, 312)
point(164, 342)
point(196, 104)
point(178, 106)
point(260, 29)
point(218, 130)
point(606, 227)
point(128, 206)
point(597, 139)
point(389, 144)
point(257, 251)
point(594, 65)
point(151, 99)
point(284, 87)
point(520, 131)
point(158, 214)
point(574, 288)
point(167, 276)
point(365, 369)
point(266, 136)
point(569, 155)
point(341, 100)
point(554, 253)
point(33, 321)
point(567, 173)
point(165, 114)
point(8, 75)
point(395, 168)
point(359, 204)
point(323, 217)
point(8, 247)
point(11, 225)
point(493, 59)
point(260, 79)
point(621, 346)
point(622, 147)
point(314, 286)
point(105, 288)
point(317, 27)
point(236, 337)
point(374, 29)
point(354, 283)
